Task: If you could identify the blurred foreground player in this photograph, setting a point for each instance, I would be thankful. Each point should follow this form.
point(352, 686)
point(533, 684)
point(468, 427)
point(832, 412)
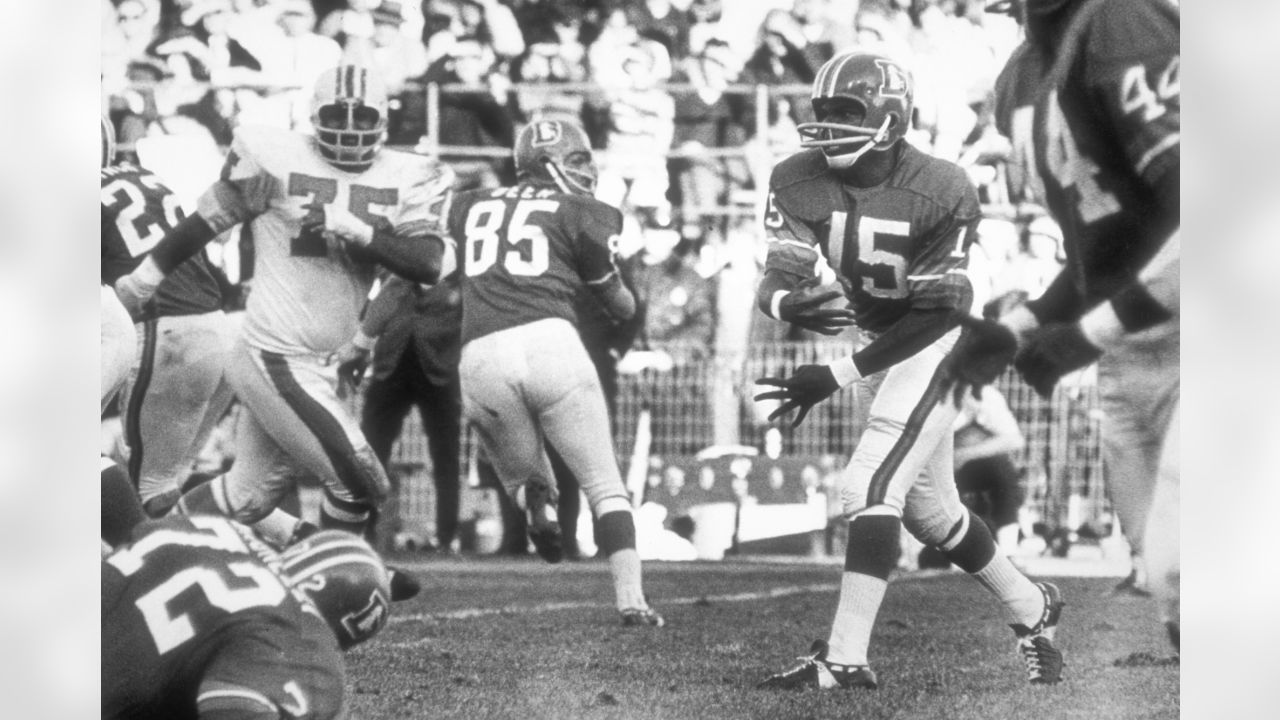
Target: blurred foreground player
point(527, 381)
point(895, 225)
point(1106, 135)
point(201, 621)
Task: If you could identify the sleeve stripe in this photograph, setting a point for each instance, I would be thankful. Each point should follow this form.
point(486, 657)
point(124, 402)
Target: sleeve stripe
point(237, 693)
point(1150, 156)
point(612, 274)
point(797, 243)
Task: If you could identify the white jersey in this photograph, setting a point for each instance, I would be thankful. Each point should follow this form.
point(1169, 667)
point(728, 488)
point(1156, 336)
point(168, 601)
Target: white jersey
point(306, 299)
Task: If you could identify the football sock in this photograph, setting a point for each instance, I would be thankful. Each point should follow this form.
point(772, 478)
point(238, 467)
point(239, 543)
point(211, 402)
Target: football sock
point(969, 544)
point(1021, 598)
point(207, 499)
point(352, 516)
point(1007, 538)
point(618, 542)
point(870, 556)
point(280, 529)
point(121, 508)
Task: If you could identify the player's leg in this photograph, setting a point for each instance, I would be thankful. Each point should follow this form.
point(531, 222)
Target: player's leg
point(565, 388)
point(121, 508)
point(179, 373)
point(387, 401)
point(119, 346)
point(1163, 533)
point(493, 371)
point(935, 515)
point(1137, 387)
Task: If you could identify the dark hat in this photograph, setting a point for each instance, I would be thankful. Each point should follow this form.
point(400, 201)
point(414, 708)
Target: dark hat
point(389, 12)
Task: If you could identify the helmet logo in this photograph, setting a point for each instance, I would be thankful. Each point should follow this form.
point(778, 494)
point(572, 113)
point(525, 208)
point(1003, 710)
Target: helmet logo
point(366, 621)
point(545, 132)
point(893, 79)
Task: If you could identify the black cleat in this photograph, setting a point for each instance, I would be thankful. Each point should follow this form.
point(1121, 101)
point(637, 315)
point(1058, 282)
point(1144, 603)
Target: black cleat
point(1035, 644)
point(403, 585)
point(813, 671)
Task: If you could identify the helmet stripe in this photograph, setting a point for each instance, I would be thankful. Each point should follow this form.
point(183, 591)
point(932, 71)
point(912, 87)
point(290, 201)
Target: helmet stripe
point(835, 74)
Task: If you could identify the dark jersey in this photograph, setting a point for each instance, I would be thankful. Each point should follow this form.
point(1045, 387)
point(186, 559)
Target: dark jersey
point(1016, 91)
point(1107, 135)
point(137, 211)
point(192, 605)
point(526, 252)
point(898, 246)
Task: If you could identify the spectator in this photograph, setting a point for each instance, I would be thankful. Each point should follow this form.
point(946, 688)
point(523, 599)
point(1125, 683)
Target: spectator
point(782, 57)
point(827, 28)
point(955, 71)
point(704, 120)
point(704, 23)
point(398, 57)
point(301, 55)
point(210, 67)
point(661, 21)
point(415, 364)
point(1041, 257)
point(352, 28)
point(488, 21)
point(640, 117)
point(554, 55)
point(987, 444)
point(139, 24)
point(477, 117)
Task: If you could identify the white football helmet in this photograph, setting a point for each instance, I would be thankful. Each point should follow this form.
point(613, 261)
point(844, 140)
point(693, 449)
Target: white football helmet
point(349, 116)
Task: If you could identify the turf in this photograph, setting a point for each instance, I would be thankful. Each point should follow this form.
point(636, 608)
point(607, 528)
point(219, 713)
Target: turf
point(519, 639)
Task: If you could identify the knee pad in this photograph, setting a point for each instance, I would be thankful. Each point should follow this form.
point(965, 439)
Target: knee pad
point(617, 531)
point(873, 545)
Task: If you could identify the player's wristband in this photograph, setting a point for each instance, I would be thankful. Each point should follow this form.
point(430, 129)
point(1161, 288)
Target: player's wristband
point(775, 304)
point(362, 341)
point(1101, 326)
point(845, 371)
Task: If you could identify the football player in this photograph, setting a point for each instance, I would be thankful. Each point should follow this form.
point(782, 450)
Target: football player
point(325, 209)
point(201, 621)
point(119, 341)
point(175, 390)
point(527, 251)
point(895, 225)
point(1106, 135)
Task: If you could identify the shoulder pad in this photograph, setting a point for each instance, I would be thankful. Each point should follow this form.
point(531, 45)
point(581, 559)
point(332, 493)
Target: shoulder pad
point(946, 183)
point(1132, 28)
point(804, 165)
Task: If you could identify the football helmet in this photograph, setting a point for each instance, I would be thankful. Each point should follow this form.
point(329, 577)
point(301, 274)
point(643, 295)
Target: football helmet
point(345, 580)
point(108, 142)
point(349, 116)
point(558, 152)
point(854, 83)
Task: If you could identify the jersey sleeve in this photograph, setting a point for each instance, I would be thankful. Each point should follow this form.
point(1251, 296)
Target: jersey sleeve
point(792, 244)
point(1132, 72)
point(938, 277)
point(242, 192)
point(597, 242)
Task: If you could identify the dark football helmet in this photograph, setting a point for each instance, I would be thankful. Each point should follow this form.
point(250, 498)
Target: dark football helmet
point(349, 116)
point(858, 84)
point(346, 581)
point(108, 142)
point(558, 152)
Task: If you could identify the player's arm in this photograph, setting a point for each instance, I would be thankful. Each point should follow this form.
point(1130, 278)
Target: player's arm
point(218, 700)
point(239, 195)
point(789, 290)
point(417, 247)
point(595, 229)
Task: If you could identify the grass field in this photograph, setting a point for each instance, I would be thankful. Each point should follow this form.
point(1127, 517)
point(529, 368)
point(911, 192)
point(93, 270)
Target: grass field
point(498, 638)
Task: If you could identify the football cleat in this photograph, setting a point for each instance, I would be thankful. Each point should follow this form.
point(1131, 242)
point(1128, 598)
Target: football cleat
point(636, 617)
point(541, 519)
point(403, 585)
point(1035, 644)
point(814, 671)
point(1133, 584)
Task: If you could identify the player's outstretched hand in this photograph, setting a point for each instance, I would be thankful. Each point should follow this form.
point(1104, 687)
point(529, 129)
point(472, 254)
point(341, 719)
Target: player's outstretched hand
point(352, 361)
point(344, 225)
point(981, 355)
point(1052, 351)
point(808, 386)
point(803, 307)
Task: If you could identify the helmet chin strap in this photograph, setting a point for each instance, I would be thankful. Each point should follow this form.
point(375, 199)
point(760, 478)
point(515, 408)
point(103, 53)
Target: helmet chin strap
point(846, 161)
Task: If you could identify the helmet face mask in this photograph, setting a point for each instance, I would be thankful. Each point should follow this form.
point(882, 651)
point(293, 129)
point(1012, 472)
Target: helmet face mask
point(344, 579)
point(349, 116)
point(556, 152)
point(862, 102)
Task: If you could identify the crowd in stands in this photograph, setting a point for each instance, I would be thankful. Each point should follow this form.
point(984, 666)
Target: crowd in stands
point(639, 74)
